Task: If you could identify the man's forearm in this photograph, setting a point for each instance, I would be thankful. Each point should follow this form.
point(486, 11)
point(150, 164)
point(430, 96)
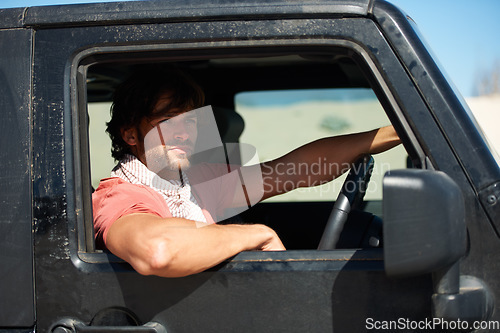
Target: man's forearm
point(323, 160)
point(176, 247)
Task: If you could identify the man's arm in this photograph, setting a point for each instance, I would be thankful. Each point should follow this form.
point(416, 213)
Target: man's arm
point(175, 247)
point(323, 160)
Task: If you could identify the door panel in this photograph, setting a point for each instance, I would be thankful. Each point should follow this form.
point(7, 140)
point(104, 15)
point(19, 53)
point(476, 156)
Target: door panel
point(16, 243)
point(292, 291)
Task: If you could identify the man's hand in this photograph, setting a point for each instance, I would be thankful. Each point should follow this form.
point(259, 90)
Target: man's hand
point(381, 140)
point(271, 240)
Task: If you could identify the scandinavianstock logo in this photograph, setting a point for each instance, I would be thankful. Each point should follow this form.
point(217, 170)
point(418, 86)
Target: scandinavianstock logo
point(228, 175)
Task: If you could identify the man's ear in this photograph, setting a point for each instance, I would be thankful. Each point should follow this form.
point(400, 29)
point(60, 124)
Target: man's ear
point(129, 135)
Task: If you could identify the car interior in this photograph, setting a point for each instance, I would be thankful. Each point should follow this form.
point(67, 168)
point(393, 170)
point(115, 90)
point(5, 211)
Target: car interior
point(275, 101)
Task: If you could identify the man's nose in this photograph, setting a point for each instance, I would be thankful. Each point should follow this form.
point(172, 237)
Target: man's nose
point(180, 132)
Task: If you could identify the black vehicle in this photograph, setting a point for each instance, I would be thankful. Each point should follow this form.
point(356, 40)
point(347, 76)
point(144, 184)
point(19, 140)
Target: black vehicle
point(424, 252)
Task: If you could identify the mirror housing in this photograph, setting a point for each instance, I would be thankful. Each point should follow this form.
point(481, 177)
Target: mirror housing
point(424, 222)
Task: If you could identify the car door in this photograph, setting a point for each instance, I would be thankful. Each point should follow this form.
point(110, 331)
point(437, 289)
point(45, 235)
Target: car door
point(16, 243)
point(296, 290)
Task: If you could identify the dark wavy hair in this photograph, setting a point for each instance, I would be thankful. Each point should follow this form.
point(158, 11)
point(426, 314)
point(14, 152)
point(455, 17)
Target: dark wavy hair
point(136, 97)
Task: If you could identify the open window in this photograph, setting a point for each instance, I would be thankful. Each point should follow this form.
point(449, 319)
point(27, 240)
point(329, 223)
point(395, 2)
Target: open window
point(275, 101)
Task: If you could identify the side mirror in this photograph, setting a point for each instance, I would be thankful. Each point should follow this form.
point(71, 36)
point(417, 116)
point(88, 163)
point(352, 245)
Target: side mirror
point(424, 222)
point(425, 232)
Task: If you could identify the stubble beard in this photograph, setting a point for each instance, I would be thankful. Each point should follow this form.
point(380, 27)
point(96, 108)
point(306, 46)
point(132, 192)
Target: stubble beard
point(167, 163)
point(176, 161)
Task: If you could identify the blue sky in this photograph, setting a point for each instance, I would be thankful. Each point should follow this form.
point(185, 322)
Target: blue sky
point(463, 34)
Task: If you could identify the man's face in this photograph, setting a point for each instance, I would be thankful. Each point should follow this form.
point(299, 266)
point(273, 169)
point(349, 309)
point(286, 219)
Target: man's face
point(167, 139)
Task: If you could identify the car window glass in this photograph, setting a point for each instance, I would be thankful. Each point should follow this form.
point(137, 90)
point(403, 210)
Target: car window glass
point(276, 121)
point(101, 161)
point(280, 121)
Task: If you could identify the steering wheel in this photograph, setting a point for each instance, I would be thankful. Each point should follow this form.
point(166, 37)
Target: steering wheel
point(350, 196)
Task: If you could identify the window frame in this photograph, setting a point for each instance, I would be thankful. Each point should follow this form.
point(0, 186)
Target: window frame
point(86, 253)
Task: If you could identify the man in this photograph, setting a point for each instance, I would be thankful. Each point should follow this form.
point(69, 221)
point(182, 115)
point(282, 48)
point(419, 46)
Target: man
point(151, 217)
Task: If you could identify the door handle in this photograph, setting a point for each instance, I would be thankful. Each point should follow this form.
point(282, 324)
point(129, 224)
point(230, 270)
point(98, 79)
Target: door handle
point(76, 326)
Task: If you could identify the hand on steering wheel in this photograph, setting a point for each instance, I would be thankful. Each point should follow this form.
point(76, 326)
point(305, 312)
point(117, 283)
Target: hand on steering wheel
point(352, 193)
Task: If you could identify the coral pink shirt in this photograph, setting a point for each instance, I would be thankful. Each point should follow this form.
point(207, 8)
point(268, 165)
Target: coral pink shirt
point(115, 198)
